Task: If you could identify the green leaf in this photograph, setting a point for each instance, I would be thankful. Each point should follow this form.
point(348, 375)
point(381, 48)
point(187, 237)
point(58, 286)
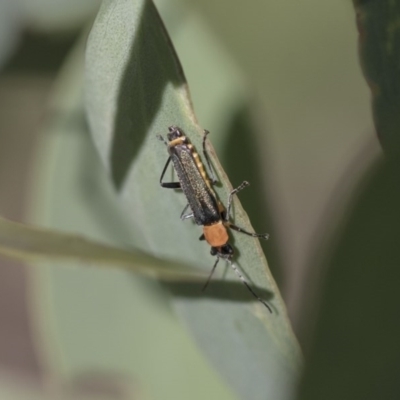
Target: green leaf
point(95, 387)
point(379, 40)
point(356, 349)
point(95, 320)
point(10, 26)
point(63, 16)
point(135, 89)
point(28, 243)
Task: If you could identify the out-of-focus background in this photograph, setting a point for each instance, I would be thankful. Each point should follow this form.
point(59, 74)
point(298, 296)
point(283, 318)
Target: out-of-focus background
point(300, 66)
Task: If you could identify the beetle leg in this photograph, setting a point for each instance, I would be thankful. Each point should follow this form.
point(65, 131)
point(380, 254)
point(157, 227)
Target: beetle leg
point(243, 185)
point(252, 234)
point(168, 185)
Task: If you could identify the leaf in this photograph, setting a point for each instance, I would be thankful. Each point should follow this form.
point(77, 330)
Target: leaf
point(10, 26)
point(94, 320)
point(61, 16)
point(135, 89)
point(356, 351)
point(379, 42)
point(14, 387)
point(28, 243)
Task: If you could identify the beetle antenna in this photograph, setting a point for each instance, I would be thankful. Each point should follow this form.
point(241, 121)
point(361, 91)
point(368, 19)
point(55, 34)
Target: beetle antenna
point(211, 274)
point(248, 286)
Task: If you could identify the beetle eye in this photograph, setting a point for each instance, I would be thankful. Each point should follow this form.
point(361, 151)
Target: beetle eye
point(214, 251)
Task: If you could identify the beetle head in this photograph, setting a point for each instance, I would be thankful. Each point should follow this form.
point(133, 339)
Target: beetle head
point(225, 251)
point(174, 132)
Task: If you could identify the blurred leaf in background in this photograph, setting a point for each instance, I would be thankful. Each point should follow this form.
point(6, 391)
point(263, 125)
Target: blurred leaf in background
point(29, 59)
point(355, 353)
point(54, 16)
point(10, 22)
point(379, 43)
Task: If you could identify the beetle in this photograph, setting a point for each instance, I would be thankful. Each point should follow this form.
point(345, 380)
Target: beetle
point(206, 209)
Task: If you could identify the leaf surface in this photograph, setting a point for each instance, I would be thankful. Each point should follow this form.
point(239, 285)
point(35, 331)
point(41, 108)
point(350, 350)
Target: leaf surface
point(29, 243)
point(135, 89)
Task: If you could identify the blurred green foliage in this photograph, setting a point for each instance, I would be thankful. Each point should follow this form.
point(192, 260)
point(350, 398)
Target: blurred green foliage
point(379, 40)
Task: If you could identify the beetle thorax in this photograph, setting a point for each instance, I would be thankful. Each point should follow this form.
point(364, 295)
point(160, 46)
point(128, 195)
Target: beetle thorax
point(216, 235)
